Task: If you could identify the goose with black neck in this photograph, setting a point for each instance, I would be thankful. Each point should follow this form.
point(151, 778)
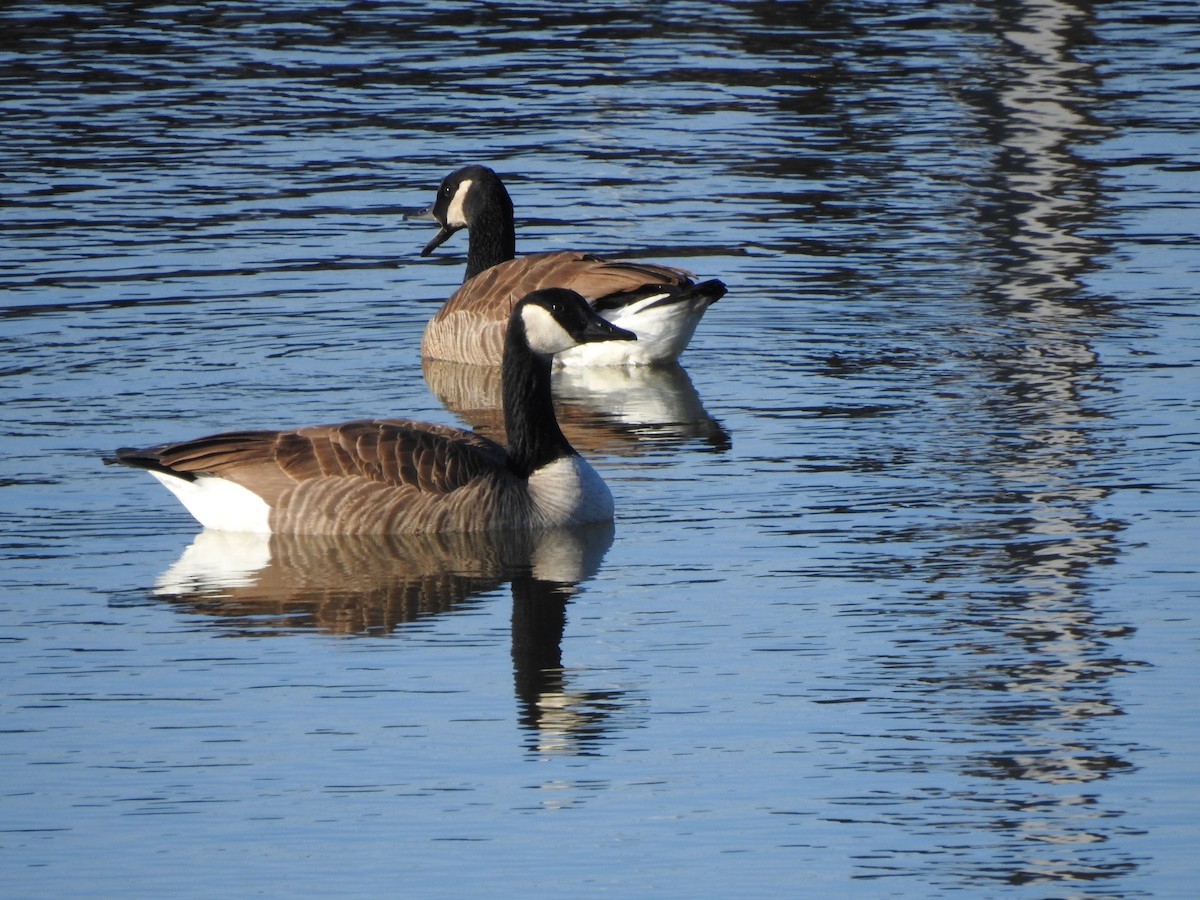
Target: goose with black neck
point(387, 476)
point(661, 304)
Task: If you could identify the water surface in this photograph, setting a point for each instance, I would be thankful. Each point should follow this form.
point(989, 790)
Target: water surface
point(900, 598)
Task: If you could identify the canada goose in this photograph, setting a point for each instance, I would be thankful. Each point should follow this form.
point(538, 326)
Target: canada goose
point(660, 304)
point(393, 476)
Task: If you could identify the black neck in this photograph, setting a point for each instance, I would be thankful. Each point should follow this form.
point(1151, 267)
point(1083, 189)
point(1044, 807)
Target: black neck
point(492, 238)
point(534, 438)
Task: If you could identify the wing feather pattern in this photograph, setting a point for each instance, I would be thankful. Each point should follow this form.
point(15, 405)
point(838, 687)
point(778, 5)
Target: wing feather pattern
point(371, 475)
point(470, 326)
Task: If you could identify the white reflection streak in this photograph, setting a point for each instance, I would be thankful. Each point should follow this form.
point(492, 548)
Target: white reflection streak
point(1039, 107)
point(1051, 370)
point(1039, 111)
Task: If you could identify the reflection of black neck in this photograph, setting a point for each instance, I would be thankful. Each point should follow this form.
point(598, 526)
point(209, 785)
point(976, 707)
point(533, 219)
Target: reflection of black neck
point(534, 438)
point(538, 619)
point(492, 237)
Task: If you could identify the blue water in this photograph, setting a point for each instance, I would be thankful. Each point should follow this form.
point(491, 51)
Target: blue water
point(901, 598)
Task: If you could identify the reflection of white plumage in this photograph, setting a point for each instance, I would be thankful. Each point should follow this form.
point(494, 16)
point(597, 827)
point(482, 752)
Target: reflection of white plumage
point(401, 476)
point(660, 304)
point(359, 582)
point(623, 410)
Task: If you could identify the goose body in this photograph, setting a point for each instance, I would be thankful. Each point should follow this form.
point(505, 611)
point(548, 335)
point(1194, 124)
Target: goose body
point(379, 476)
point(661, 304)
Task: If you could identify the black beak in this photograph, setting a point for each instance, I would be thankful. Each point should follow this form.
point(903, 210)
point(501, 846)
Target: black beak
point(598, 329)
point(438, 239)
point(444, 232)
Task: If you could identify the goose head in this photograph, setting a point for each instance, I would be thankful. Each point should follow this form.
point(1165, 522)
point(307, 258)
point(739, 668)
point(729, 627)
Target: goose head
point(466, 196)
point(555, 319)
point(543, 323)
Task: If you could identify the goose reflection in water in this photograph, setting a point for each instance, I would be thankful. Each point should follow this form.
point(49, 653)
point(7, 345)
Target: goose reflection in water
point(279, 584)
point(607, 409)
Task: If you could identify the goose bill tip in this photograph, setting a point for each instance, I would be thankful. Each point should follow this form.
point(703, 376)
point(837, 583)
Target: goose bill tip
point(602, 330)
point(438, 239)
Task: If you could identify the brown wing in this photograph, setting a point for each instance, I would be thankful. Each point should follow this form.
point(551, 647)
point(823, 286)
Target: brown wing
point(470, 325)
point(364, 477)
point(495, 291)
point(432, 459)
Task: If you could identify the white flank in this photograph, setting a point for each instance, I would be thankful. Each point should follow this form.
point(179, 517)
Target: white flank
point(662, 333)
point(220, 504)
point(543, 333)
point(456, 217)
point(567, 492)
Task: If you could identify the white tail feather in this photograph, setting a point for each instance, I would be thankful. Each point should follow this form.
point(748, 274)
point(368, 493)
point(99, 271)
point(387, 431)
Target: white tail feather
point(219, 504)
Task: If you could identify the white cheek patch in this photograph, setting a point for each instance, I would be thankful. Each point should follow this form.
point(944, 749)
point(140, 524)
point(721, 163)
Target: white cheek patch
point(543, 332)
point(455, 216)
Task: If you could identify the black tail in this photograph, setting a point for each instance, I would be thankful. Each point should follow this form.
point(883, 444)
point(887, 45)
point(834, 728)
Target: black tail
point(702, 295)
point(143, 459)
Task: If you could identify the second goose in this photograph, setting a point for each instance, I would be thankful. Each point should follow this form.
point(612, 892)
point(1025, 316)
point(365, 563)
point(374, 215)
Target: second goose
point(660, 304)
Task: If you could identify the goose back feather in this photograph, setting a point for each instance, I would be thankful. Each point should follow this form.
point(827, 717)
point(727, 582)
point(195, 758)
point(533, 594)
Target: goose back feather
point(368, 476)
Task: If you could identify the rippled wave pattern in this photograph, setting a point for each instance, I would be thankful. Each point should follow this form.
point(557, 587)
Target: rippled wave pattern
point(901, 595)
